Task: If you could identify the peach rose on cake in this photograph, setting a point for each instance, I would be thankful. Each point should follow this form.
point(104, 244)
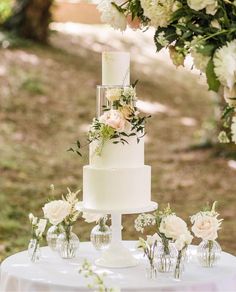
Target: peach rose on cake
point(114, 119)
point(205, 226)
point(172, 226)
point(127, 111)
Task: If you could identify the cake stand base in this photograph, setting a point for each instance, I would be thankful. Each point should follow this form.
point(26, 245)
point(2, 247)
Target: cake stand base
point(118, 256)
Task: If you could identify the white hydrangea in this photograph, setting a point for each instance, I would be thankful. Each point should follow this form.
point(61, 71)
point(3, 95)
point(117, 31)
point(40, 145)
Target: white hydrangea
point(210, 5)
point(111, 15)
point(159, 11)
point(233, 130)
point(225, 64)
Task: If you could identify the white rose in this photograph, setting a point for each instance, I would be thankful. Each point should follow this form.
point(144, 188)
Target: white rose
point(111, 15)
point(56, 211)
point(114, 119)
point(210, 5)
point(113, 94)
point(92, 217)
point(152, 238)
point(206, 227)
point(173, 226)
point(183, 240)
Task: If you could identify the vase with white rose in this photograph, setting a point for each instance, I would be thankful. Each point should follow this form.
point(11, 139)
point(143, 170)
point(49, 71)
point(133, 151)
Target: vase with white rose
point(205, 226)
point(37, 228)
point(100, 235)
point(63, 214)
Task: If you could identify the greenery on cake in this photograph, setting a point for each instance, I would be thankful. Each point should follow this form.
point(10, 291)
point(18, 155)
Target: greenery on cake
point(119, 121)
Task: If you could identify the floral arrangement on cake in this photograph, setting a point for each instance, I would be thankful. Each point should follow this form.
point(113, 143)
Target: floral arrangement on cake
point(205, 29)
point(119, 121)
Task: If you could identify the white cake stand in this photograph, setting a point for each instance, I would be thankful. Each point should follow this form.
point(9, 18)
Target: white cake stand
point(118, 256)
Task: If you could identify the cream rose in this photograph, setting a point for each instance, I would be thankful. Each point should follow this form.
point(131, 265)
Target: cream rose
point(205, 227)
point(173, 226)
point(113, 94)
point(114, 119)
point(56, 211)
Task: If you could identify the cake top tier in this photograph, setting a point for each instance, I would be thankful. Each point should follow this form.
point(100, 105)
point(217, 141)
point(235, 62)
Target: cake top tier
point(115, 68)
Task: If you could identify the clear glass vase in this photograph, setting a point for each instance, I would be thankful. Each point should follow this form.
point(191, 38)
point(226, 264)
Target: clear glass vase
point(179, 267)
point(101, 237)
point(67, 244)
point(166, 256)
point(208, 253)
point(52, 235)
point(34, 250)
point(151, 272)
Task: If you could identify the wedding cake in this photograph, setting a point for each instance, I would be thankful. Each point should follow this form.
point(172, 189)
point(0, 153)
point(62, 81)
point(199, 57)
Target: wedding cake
point(116, 177)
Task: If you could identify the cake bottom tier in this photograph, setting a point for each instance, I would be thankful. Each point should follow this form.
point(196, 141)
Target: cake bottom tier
point(116, 188)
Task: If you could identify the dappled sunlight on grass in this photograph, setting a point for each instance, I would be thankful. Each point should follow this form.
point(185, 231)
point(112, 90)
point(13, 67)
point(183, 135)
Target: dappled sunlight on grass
point(232, 164)
point(151, 107)
point(188, 122)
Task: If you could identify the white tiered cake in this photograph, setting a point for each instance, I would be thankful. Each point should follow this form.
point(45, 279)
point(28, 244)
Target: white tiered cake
point(117, 178)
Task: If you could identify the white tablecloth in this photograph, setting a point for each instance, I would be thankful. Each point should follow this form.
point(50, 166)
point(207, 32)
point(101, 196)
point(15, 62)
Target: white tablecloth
point(52, 273)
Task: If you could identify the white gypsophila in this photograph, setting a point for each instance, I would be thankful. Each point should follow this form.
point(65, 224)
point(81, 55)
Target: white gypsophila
point(173, 226)
point(223, 138)
point(162, 40)
point(183, 240)
point(152, 238)
point(56, 211)
point(233, 130)
point(199, 60)
point(210, 5)
point(142, 221)
point(92, 217)
point(158, 11)
point(225, 64)
point(111, 15)
point(113, 94)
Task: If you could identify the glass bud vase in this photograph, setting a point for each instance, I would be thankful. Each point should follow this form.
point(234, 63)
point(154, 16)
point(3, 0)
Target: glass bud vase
point(208, 253)
point(34, 250)
point(151, 272)
point(101, 237)
point(180, 261)
point(67, 245)
point(166, 256)
point(52, 235)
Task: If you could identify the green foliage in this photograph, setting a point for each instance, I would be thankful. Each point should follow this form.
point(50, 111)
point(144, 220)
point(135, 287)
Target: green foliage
point(33, 86)
point(212, 80)
point(5, 10)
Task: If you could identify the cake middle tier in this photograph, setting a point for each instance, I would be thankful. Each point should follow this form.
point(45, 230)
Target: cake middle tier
point(116, 188)
point(130, 154)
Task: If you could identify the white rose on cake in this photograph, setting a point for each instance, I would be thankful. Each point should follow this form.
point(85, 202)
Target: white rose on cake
point(113, 94)
point(173, 226)
point(205, 226)
point(56, 211)
point(114, 119)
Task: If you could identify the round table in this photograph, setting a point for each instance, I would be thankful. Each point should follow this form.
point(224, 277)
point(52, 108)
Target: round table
point(52, 273)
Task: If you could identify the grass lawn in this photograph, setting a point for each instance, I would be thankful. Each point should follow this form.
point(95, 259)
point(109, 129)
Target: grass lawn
point(47, 101)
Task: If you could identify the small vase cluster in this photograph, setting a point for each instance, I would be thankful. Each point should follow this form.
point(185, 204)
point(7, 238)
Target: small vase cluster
point(166, 250)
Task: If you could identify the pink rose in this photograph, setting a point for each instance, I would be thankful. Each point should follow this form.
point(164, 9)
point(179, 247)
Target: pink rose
point(114, 119)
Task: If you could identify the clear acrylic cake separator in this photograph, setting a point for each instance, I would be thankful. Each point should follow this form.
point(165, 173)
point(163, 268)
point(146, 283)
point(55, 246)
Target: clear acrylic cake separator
point(117, 255)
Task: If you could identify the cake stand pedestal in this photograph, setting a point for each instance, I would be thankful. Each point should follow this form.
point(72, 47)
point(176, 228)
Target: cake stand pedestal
point(117, 255)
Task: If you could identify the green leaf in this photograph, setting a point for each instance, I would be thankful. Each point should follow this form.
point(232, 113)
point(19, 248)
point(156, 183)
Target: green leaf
point(206, 50)
point(213, 82)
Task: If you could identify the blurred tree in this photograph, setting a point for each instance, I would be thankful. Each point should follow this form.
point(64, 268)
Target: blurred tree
point(30, 19)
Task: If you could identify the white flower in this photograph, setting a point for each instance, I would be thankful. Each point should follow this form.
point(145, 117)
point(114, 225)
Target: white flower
point(111, 15)
point(210, 5)
point(114, 119)
point(233, 130)
point(129, 91)
point(161, 39)
point(92, 217)
point(33, 220)
point(56, 211)
point(225, 64)
point(230, 95)
point(223, 138)
point(183, 240)
point(199, 60)
point(205, 226)
point(159, 11)
point(215, 23)
point(41, 227)
point(152, 238)
point(173, 226)
point(143, 220)
point(113, 94)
